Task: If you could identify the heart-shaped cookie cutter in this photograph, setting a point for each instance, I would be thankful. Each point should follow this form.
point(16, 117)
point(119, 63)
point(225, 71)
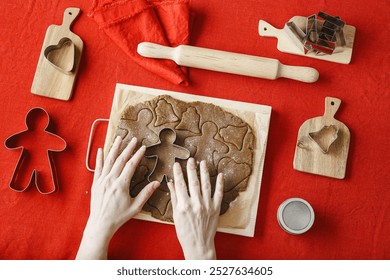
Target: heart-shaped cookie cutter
point(8, 144)
point(59, 59)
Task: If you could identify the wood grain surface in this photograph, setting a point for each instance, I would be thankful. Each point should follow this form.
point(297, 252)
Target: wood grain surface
point(59, 60)
point(323, 144)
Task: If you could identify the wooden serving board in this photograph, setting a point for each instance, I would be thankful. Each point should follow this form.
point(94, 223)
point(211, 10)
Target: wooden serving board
point(59, 60)
point(323, 144)
point(241, 217)
point(285, 44)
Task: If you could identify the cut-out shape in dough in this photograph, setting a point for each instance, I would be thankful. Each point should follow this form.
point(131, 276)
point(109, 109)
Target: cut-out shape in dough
point(165, 152)
point(206, 146)
point(159, 202)
point(165, 113)
point(234, 135)
point(233, 171)
point(190, 121)
point(237, 175)
point(128, 129)
point(140, 174)
point(325, 137)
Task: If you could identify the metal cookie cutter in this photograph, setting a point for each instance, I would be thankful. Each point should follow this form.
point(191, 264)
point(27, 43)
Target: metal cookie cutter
point(62, 56)
point(325, 137)
point(309, 41)
point(27, 160)
point(312, 40)
point(165, 152)
point(319, 36)
point(322, 39)
point(332, 27)
point(296, 35)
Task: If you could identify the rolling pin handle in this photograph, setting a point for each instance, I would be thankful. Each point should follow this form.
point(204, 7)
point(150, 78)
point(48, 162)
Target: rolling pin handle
point(152, 50)
point(298, 73)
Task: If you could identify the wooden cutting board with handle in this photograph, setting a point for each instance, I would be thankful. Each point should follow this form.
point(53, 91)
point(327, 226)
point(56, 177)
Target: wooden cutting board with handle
point(59, 60)
point(342, 54)
point(323, 144)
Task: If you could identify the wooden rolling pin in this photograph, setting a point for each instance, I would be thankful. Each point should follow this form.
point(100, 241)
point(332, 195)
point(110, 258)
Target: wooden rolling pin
point(228, 62)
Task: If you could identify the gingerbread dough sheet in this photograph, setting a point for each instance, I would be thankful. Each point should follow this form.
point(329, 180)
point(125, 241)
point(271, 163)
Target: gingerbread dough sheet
point(240, 216)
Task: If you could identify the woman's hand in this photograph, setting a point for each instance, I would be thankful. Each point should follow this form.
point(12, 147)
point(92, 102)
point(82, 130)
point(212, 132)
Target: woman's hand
point(196, 211)
point(111, 204)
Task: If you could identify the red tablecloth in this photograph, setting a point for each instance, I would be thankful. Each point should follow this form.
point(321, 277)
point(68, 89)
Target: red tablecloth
point(352, 215)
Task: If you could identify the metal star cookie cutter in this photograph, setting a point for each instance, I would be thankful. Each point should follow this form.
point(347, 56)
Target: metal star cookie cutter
point(24, 153)
point(164, 164)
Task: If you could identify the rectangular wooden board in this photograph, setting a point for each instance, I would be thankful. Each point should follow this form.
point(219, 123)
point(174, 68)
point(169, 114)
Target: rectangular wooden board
point(342, 54)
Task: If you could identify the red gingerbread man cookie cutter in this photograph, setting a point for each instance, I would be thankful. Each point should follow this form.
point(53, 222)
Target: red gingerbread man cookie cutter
point(35, 158)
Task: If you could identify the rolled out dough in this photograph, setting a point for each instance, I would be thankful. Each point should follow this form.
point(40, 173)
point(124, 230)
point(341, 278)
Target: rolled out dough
point(210, 133)
point(243, 138)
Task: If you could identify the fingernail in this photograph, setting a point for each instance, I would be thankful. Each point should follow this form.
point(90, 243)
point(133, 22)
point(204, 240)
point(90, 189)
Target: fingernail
point(133, 140)
point(191, 161)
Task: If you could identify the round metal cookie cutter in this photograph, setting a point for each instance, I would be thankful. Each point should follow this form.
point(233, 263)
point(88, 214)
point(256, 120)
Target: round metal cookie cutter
point(295, 216)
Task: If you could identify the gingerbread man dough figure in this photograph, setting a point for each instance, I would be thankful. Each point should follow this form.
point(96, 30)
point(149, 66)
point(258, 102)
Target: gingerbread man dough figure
point(139, 129)
point(166, 152)
point(36, 145)
point(206, 147)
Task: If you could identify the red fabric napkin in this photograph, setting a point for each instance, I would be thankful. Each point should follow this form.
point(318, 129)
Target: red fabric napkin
point(130, 22)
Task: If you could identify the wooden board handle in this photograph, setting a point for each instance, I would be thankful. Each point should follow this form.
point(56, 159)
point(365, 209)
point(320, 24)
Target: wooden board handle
point(267, 30)
point(228, 62)
point(70, 15)
point(332, 104)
